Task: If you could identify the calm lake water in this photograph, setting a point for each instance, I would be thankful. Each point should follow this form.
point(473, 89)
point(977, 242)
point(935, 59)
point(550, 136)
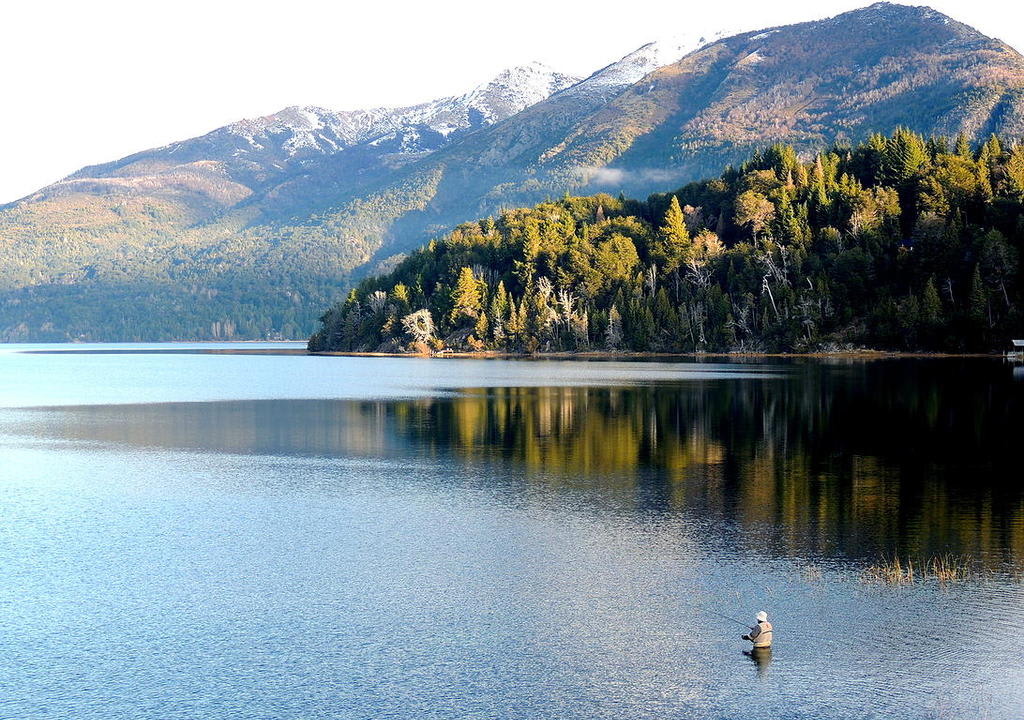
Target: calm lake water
point(205, 535)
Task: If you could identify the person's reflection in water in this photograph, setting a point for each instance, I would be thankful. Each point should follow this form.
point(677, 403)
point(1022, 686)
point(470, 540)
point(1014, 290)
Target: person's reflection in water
point(762, 658)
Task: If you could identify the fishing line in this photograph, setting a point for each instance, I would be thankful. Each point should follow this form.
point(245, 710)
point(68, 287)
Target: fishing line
point(715, 612)
point(738, 622)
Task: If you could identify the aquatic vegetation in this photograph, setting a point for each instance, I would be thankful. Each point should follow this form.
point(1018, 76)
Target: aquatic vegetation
point(894, 571)
point(944, 568)
point(950, 568)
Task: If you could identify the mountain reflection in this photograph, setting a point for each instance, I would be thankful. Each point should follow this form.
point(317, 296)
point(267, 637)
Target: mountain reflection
point(889, 456)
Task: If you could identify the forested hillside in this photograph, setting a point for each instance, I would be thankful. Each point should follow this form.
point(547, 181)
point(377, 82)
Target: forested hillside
point(900, 242)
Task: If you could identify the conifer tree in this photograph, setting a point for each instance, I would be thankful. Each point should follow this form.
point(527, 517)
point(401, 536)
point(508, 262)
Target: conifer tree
point(905, 155)
point(351, 326)
point(466, 297)
point(995, 147)
point(931, 305)
point(498, 312)
point(403, 301)
point(673, 243)
point(613, 336)
point(785, 225)
point(526, 265)
point(1014, 169)
point(481, 327)
point(515, 324)
point(963, 147)
point(977, 302)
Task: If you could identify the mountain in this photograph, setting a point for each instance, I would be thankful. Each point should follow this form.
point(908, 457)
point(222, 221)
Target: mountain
point(235, 233)
point(809, 85)
point(257, 152)
point(129, 249)
point(249, 230)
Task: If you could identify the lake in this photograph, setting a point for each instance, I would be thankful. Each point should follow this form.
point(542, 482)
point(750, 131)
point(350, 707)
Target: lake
point(188, 532)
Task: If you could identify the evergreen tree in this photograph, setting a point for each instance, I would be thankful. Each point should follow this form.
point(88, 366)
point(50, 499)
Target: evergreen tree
point(994, 147)
point(905, 156)
point(402, 299)
point(1015, 171)
point(785, 225)
point(498, 313)
point(613, 337)
point(466, 298)
point(481, 327)
point(977, 302)
point(516, 323)
point(672, 245)
point(529, 249)
point(931, 305)
point(963, 147)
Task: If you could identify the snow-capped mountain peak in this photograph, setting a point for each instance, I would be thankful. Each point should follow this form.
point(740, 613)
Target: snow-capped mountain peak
point(644, 60)
point(507, 93)
point(515, 89)
point(310, 131)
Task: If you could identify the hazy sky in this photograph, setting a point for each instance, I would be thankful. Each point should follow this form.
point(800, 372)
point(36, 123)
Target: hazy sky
point(93, 80)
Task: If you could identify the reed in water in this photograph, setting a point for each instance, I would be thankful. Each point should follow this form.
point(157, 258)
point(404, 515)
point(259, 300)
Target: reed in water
point(902, 571)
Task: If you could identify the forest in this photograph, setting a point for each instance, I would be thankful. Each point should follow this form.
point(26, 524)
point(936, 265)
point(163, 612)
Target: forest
point(897, 243)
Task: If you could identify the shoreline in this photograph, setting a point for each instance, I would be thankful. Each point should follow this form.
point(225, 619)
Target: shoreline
point(251, 347)
point(609, 355)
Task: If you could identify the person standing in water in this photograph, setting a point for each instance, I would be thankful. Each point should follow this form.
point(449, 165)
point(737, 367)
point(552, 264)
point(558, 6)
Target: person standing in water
point(760, 634)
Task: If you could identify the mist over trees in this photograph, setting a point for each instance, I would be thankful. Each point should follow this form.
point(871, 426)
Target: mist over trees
point(900, 242)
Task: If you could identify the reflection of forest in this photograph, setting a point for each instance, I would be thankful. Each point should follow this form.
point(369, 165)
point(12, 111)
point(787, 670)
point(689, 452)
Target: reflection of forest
point(871, 457)
point(867, 458)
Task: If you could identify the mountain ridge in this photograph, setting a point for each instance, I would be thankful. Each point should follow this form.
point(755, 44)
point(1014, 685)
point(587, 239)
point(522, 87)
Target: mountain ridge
point(303, 225)
point(644, 139)
point(301, 132)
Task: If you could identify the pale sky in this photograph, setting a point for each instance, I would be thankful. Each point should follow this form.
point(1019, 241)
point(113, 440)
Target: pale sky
point(85, 82)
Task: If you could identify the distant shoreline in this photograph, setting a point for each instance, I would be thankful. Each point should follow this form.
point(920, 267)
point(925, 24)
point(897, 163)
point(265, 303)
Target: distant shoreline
point(246, 347)
point(608, 355)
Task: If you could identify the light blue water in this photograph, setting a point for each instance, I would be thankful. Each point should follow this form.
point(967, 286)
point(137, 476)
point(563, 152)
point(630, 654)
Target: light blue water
point(71, 375)
point(183, 536)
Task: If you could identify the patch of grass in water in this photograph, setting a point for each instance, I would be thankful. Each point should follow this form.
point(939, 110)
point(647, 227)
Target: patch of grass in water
point(944, 569)
point(950, 568)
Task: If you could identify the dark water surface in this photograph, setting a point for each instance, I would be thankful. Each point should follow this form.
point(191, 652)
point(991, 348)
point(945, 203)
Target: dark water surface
point(221, 536)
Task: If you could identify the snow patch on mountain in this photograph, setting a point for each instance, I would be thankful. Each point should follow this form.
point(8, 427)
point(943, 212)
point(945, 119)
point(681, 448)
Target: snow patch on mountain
point(309, 130)
point(514, 90)
point(643, 61)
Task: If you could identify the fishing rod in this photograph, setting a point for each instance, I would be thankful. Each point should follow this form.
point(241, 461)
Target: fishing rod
point(738, 622)
point(715, 612)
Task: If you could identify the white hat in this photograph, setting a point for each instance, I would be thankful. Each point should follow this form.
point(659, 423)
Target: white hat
point(762, 616)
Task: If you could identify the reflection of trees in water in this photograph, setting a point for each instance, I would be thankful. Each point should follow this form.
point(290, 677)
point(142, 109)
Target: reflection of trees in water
point(887, 456)
point(909, 457)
